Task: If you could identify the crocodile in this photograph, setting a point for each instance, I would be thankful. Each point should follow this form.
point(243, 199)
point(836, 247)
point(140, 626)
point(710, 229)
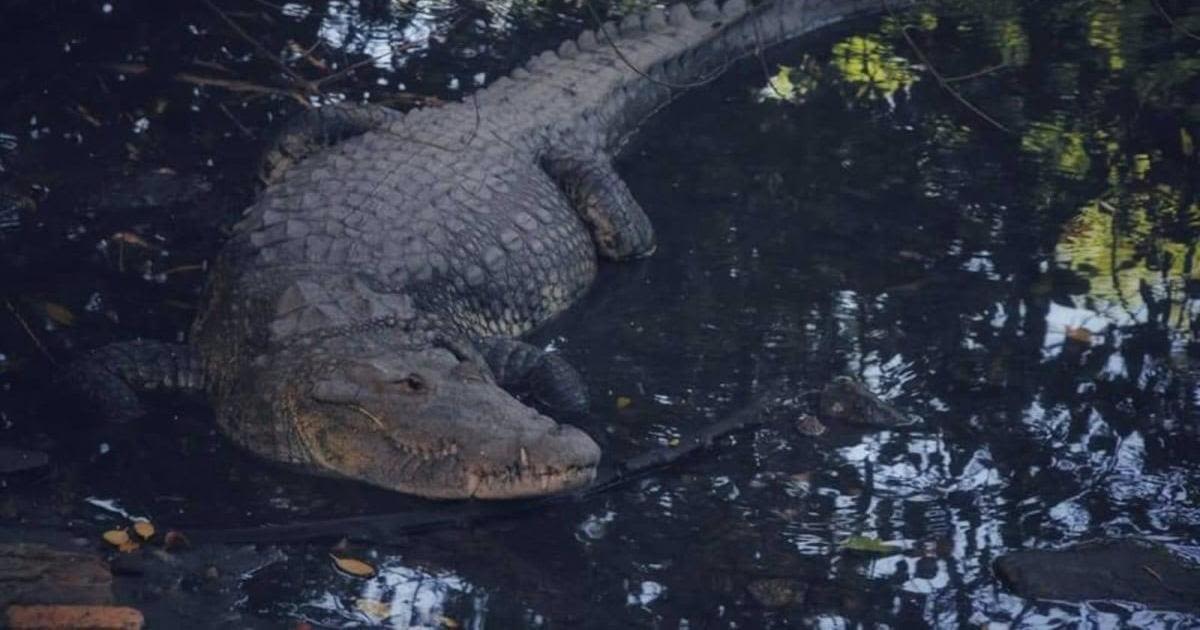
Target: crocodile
point(364, 319)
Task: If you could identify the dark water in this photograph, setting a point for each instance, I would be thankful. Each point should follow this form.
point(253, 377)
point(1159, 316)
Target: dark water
point(1009, 257)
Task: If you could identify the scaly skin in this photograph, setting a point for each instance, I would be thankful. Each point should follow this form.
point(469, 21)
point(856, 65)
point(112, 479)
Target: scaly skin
point(360, 320)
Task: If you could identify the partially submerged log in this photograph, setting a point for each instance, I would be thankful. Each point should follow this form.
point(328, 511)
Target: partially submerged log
point(1129, 570)
point(40, 574)
point(61, 617)
point(14, 460)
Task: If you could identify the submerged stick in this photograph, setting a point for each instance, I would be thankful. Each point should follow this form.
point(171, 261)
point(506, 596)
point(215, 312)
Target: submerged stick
point(37, 343)
point(941, 80)
point(382, 528)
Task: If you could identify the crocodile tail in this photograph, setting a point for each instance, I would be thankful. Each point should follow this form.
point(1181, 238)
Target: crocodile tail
point(702, 41)
point(619, 73)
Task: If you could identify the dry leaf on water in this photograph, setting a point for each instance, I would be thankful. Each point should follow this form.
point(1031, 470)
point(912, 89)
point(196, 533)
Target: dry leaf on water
point(354, 567)
point(145, 529)
point(116, 537)
point(131, 239)
point(120, 539)
point(623, 402)
point(59, 313)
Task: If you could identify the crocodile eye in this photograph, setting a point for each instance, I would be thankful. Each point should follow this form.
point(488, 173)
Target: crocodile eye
point(411, 384)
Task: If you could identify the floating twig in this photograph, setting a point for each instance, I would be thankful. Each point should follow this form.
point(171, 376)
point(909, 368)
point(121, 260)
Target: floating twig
point(234, 119)
point(29, 331)
point(235, 85)
point(978, 73)
point(941, 79)
point(306, 85)
point(608, 38)
point(1170, 20)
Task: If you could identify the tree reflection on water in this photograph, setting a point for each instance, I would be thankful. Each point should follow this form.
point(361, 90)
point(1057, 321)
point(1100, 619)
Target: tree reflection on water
point(1023, 280)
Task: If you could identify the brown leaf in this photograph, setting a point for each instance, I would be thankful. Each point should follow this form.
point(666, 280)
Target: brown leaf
point(145, 529)
point(59, 313)
point(73, 617)
point(116, 537)
point(131, 239)
point(623, 402)
point(448, 622)
point(353, 566)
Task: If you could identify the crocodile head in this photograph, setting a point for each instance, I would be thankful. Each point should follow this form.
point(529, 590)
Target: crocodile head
point(424, 422)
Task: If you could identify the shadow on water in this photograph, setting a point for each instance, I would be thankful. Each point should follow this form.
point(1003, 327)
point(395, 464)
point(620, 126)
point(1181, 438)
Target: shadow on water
point(1023, 280)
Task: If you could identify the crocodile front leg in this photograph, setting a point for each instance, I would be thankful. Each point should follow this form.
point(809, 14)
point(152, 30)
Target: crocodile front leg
point(619, 227)
point(315, 129)
point(110, 377)
point(519, 366)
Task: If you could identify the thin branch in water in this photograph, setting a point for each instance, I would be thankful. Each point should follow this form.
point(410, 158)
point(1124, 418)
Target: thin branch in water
point(234, 119)
point(211, 65)
point(234, 85)
point(185, 269)
point(270, 5)
point(762, 61)
point(29, 331)
point(299, 80)
point(1170, 20)
point(348, 69)
point(978, 73)
point(941, 79)
point(704, 80)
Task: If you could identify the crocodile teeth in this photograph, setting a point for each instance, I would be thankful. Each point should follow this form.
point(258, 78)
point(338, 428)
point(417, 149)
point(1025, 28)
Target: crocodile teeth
point(524, 458)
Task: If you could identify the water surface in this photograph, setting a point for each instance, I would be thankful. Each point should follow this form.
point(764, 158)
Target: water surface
point(1007, 254)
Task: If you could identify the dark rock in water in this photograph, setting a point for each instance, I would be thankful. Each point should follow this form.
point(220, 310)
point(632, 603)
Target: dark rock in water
point(156, 188)
point(778, 592)
point(197, 589)
point(40, 574)
point(1129, 570)
point(848, 400)
point(810, 426)
point(16, 460)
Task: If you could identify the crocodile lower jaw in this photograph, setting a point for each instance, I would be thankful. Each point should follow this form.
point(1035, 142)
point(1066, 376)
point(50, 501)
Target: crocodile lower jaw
point(514, 482)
